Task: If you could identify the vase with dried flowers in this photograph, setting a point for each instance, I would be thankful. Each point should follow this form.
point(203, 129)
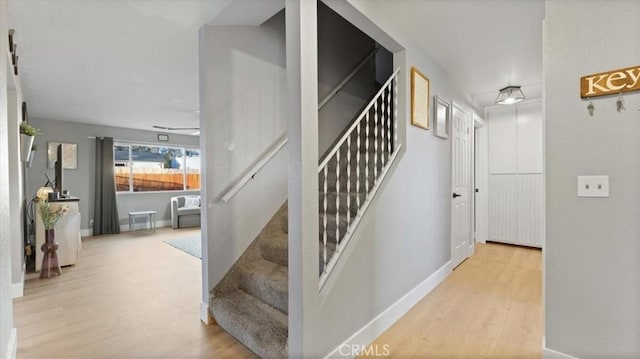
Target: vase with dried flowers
point(51, 213)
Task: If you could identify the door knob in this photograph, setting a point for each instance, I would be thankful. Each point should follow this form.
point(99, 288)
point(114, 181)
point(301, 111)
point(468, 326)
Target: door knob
point(456, 195)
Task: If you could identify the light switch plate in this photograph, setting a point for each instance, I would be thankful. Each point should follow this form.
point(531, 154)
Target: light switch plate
point(593, 186)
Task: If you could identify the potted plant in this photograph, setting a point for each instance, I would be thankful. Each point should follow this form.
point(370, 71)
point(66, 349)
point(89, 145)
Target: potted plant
point(27, 136)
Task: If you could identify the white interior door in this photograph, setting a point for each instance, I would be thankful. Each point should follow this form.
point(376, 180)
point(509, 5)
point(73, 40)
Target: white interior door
point(461, 205)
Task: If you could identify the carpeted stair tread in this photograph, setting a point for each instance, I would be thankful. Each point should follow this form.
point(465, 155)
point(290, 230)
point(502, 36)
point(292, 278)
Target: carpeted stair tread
point(260, 327)
point(267, 281)
point(276, 249)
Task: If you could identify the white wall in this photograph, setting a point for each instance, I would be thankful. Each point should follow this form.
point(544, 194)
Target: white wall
point(516, 176)
point(16, 180)
point(592, 251)
point(81, 182)
point(405, 236)
point(7, 332)
point(341, 47)
point(482, 182)
point(242, 114)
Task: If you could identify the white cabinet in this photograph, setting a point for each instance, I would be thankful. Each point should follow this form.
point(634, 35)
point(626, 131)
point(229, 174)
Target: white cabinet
point(516, 178)
point(67, 232)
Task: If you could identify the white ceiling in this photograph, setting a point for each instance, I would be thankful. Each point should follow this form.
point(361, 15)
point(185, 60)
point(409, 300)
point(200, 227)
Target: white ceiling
point(121, 63)
point(134, 63)
point(484, 45)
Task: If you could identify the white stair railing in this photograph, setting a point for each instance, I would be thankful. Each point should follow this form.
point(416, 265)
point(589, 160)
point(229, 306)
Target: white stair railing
point(349, 184)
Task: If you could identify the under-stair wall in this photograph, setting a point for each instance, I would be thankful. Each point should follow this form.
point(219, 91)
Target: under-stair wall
point(242, 104)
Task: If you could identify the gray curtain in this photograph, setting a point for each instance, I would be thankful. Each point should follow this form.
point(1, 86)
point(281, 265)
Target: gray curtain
point(105, 210)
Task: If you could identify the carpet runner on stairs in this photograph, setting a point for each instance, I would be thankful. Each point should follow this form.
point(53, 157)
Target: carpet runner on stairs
point(251, 301)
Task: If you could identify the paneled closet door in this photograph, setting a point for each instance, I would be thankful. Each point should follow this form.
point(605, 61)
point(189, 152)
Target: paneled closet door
point(516, 182)
point(503, 137)
point(529, 138)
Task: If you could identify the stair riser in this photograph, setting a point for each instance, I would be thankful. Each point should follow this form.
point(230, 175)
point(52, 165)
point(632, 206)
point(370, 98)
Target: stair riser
point(266, 334)
point(275, 251)
point(265, 292)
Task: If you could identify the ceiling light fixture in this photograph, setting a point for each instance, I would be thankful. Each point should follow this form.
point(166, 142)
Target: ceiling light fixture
point(510, 95)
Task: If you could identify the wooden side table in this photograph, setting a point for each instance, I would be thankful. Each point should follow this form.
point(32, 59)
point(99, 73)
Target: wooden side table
point(150, 215)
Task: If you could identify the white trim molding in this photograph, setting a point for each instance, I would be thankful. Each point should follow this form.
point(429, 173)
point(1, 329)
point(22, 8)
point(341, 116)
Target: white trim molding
point(367, 334)
point(204, 313)
point(88, 232)
point(17, 289)
point(553, 354)
point(13, 344)
point(125, 228)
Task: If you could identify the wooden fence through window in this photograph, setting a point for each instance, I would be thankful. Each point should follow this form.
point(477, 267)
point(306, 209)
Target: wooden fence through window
point(151, 179)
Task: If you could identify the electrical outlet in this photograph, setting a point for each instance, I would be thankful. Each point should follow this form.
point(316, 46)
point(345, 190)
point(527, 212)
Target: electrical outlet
point(91, 222)
point(593, 186)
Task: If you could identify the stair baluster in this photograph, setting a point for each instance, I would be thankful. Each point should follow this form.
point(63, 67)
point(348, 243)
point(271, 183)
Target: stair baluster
point(375, 143)
point(366, 157)
point(358, 168)
point(389, 122)
point(324, 218)
point(382, 128)
point(348, 182)
point(337, 198)
point(395, 113)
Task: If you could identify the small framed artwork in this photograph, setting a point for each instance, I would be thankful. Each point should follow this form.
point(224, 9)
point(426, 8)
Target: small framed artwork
point(163, 138)
point(69, 154)
point(419, 99)
point(441, 117)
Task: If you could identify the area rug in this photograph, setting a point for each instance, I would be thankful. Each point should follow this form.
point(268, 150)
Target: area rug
point(189, 245)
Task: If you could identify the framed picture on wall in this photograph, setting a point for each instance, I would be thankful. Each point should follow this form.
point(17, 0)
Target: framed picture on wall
point(69, 152)
point(419, 99)
point(441, 117)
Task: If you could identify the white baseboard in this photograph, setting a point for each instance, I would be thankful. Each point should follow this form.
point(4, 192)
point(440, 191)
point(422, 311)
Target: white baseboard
point(13, 344)
point(88, 232)
point(553, 354)
point(367, 334)
point(159, 224)
point(204, 313)
point(17, 289)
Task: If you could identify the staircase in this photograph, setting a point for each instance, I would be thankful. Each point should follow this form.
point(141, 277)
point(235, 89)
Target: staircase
point(251, 301)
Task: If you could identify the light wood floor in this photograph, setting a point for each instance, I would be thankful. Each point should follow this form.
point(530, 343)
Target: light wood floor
point(137, 297)
point(489, 307)
point(131, 296)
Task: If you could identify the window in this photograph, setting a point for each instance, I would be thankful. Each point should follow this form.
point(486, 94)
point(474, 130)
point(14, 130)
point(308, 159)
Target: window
point(147, 168)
